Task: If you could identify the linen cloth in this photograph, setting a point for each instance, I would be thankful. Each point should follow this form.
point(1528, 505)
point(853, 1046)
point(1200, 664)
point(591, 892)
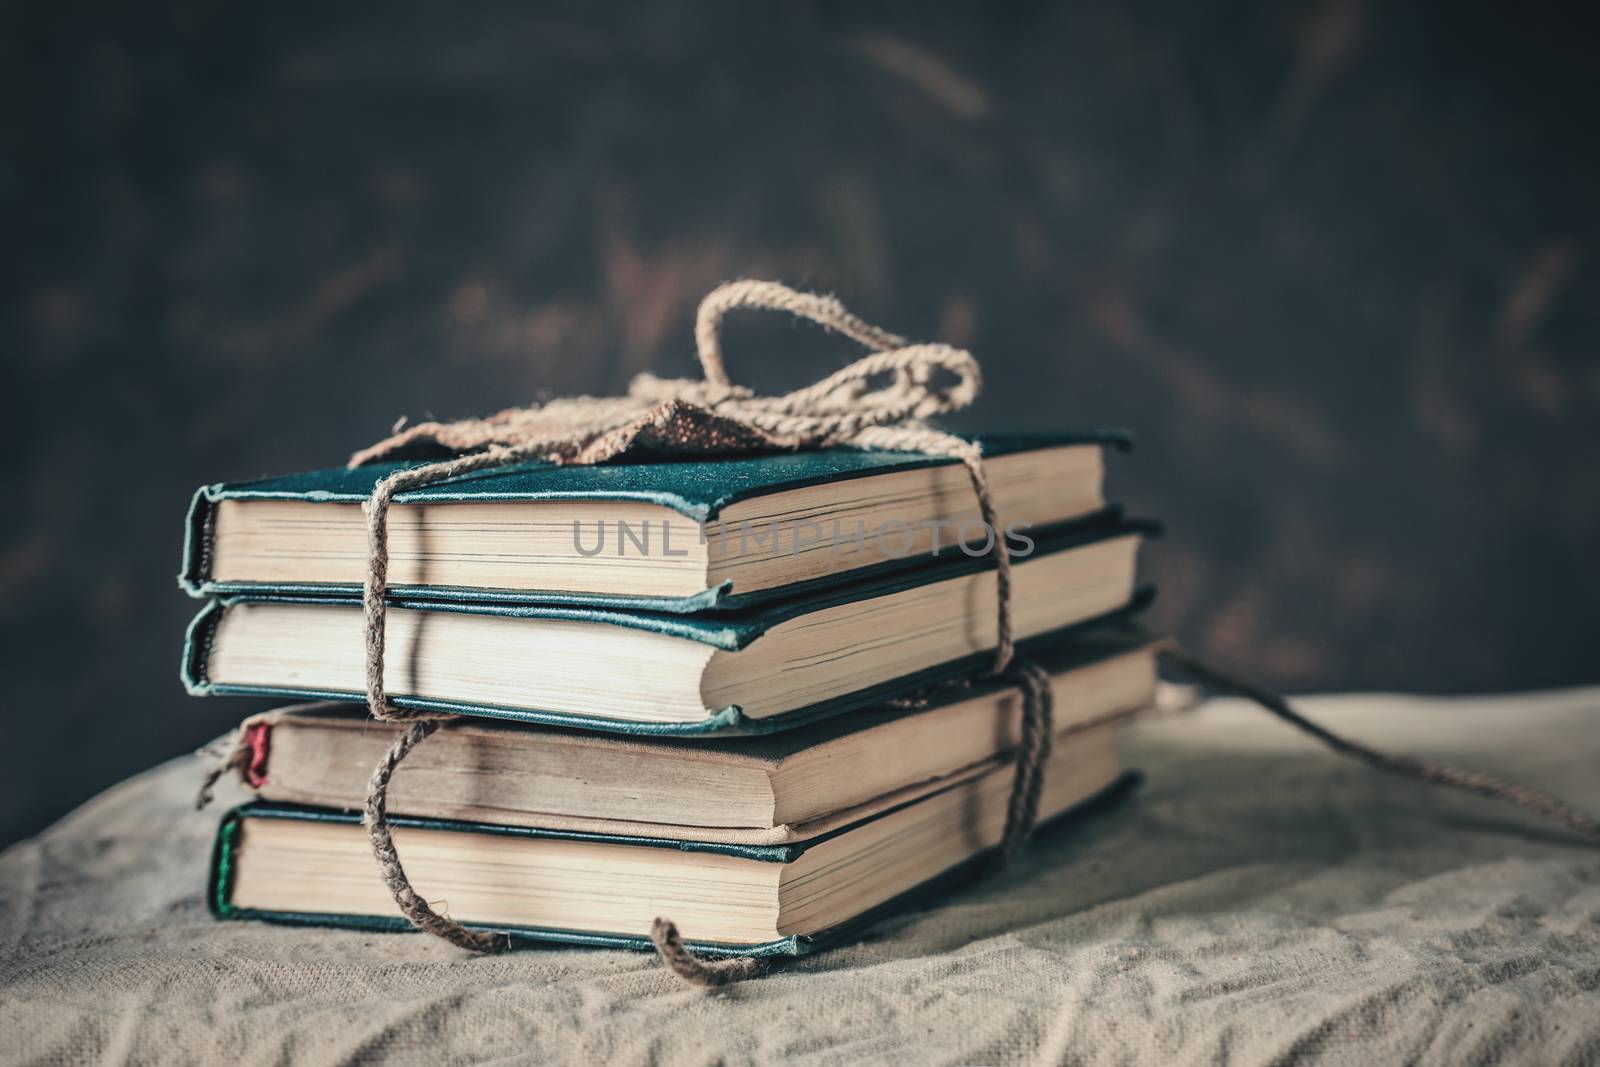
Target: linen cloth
point(1259, 900)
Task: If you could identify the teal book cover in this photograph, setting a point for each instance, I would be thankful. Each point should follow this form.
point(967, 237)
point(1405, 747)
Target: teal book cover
point(698, 490)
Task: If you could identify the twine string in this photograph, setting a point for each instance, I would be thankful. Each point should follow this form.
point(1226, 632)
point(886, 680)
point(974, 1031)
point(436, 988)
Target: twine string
point(1033, 753)
point(1415, 768)
point(877, 402)
point(376, 819)
point(698, 970)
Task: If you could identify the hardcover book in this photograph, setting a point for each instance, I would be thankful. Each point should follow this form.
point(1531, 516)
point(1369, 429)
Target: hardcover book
point(308, 865)
point(773, 666)
point(681, 536)
point(754, 791)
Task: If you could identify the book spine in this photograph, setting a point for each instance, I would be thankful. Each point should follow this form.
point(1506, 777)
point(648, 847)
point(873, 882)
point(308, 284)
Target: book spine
point(219, 887)
point(197, 649)
point(195, 574)
point(257, 742)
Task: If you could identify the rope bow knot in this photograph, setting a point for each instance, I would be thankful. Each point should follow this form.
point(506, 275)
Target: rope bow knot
point(895, 389)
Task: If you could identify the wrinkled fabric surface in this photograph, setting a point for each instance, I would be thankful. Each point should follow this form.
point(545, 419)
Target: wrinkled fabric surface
point(1259, 900)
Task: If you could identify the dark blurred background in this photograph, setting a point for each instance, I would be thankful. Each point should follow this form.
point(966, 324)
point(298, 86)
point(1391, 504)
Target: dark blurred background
point(1335, 263)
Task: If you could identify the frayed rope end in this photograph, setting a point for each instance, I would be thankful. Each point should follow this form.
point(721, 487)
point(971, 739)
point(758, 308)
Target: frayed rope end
point(707, 974)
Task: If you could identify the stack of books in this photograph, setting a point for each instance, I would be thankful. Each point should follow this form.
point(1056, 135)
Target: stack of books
point(747, 694)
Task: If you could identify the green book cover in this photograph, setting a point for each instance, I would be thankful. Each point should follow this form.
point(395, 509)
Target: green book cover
point(219, 895)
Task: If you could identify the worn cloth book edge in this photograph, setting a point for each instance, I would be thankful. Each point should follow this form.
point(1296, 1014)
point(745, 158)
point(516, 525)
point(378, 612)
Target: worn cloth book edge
point(1104, 642)
point(692, 490)
point(719, 600)
point(729, 721)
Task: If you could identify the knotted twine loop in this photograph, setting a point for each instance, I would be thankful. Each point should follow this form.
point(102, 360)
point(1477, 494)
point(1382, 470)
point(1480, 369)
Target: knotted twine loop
point(679, 418)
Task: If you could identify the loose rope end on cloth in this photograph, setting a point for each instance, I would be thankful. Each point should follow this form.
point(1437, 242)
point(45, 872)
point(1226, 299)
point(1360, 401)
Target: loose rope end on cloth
point(230, 761)
point(1413, 767)
point(706, 973)
point(242, 751)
